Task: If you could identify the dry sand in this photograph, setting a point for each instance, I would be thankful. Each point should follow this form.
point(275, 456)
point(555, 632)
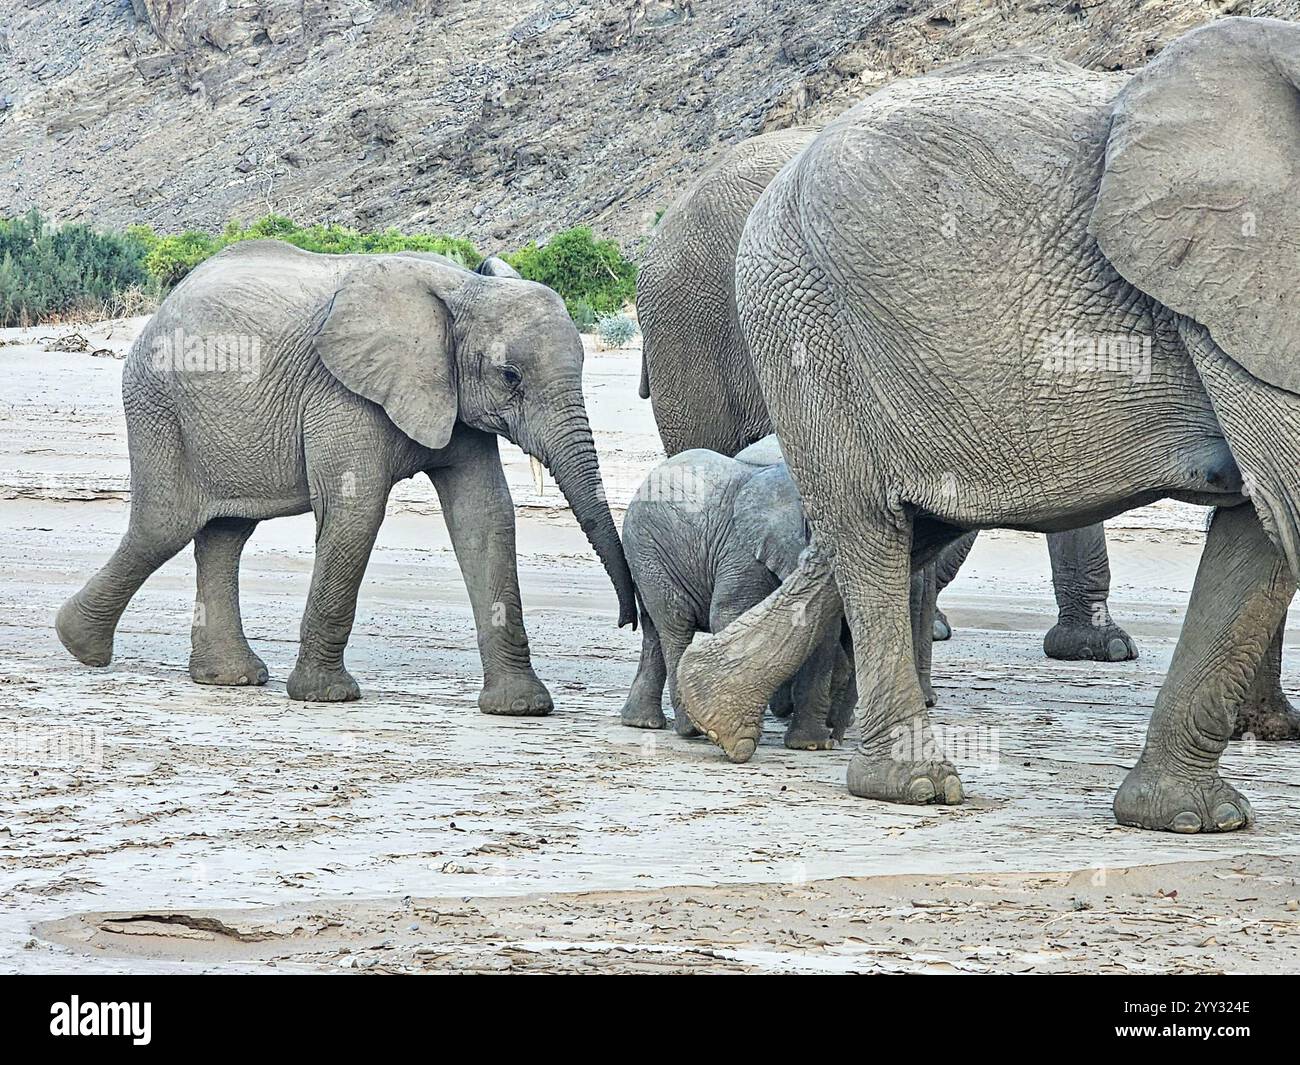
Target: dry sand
point(233, 830)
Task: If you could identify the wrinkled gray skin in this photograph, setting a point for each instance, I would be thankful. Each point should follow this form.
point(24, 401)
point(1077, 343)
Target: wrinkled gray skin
point(370, 369)
point(707, 537)
point(898, 282)
point(701, 384)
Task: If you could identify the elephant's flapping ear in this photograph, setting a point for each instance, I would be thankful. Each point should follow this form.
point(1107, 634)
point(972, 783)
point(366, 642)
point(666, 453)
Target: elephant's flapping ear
point(387, 336)
point(770, 519)
point(1199, 205)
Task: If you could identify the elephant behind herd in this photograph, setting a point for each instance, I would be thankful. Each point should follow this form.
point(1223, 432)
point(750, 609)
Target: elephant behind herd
point(901, 298)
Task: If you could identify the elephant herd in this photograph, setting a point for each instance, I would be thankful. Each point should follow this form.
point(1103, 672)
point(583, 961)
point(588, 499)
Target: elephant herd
point(1007, 293)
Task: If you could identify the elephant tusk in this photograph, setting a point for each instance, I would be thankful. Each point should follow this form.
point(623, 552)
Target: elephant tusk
point(539, 474)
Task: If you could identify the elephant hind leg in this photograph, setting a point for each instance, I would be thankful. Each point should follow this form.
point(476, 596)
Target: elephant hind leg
point(220, 653)
point(946, 566)
point(899, 758)
point(1266, 713)
point(923, 594)
point(644, 706)
point(1242, 589)
point(86, 623)
point(1084, 630)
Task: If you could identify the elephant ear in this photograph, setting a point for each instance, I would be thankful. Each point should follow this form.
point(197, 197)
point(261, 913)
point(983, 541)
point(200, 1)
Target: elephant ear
point(1199, 203)
point(387, 336)
point(769, 518)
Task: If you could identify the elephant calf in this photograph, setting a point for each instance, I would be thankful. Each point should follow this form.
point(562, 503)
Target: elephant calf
point(707, 537)
point(275, 381)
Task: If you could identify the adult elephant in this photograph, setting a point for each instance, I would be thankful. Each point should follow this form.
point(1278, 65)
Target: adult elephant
point(698, 375)
point(910, 277)
point(275, 381)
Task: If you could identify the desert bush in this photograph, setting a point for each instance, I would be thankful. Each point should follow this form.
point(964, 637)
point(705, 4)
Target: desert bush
point(582, 269)
point(170, 258)
point(616, 330)
point(50, 270)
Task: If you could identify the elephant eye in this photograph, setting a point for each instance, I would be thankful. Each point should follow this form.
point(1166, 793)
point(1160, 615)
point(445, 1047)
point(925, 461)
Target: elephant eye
point(511, 375)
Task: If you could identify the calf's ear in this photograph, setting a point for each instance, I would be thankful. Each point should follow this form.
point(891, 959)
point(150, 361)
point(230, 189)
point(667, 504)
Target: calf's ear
point(387, 335)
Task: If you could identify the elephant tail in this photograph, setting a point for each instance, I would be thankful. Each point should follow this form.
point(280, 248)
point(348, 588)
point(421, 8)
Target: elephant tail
point(644, 390)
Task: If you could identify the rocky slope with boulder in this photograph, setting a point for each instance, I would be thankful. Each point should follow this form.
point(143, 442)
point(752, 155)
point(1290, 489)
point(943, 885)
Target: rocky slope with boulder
point(502, 122)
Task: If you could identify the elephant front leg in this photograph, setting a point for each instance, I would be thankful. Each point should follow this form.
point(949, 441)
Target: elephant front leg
point(1084, 630)
point(1267, 714)
point(644, 707)
point(726, 680)
point(899, 758)
point(1240, 596)
point(480, 517)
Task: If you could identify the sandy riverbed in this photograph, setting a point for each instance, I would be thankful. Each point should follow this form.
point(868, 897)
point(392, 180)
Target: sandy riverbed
point(232, 829)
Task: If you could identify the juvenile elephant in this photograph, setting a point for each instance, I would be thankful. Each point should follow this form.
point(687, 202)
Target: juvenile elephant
point(1027, 259)
point(707, 537)
point(274, 381)
point(698, 375)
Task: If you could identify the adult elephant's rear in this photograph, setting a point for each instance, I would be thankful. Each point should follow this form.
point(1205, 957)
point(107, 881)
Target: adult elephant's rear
point(699, 377)
point(1136, 203)
point(696, 370)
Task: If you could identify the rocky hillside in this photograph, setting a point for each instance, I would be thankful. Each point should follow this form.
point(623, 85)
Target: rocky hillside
point(503, 121)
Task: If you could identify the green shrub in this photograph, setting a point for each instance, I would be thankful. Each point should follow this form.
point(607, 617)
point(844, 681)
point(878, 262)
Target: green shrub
point(170, 258)
point(582, 314)
point(582, 269)
point(47, 271)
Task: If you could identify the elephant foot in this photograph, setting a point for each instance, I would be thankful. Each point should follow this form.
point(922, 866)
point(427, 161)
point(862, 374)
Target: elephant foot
point(84, 638)
point(1268, 719)
point(683, 725)
point(238, 666)
point(515, 695)
point(941, 629)
point(643, 713)
point(874, 776)
point(1157, 799)
point(312, 684)
point(734, 726)
point(804, 737)
point(782, 704)
point(1071, 641)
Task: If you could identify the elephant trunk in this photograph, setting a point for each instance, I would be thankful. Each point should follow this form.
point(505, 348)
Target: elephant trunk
point(568, 450)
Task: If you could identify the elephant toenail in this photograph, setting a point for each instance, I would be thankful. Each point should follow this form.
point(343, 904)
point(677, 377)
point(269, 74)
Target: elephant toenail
point(1187, 821)
point(713, 735)
point(952, 793)
point(1085, 655)
point(1118, 649)
point(743, 751)
point(1228, 817)
point(921, 790)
